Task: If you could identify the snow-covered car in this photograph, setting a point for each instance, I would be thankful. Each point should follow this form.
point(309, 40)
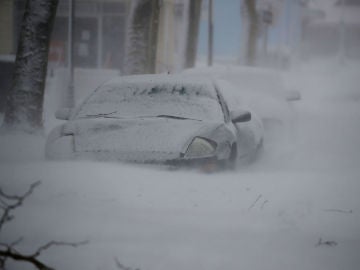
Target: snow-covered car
point(268, 92)
point(255, 80)
point(169, 119)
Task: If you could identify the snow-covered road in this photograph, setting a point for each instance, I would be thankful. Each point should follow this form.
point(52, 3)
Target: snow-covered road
point(297, 207)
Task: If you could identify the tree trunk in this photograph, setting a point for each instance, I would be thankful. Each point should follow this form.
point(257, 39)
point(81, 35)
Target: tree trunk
point(142, 37)
point(193, 32)
point(24, 107)
point(250, 6)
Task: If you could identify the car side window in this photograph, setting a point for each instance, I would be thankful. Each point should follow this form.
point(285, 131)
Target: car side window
point(223, 105)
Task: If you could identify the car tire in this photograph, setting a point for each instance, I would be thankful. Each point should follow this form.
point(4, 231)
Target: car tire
point(257, 152)
point(230, 163)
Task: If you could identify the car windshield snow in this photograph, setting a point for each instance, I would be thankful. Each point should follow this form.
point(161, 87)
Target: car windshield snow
point(165, 100)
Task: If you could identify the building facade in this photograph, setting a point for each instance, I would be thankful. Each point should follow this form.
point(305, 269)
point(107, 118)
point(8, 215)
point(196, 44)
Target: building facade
point(99, 32)
point(335, 31)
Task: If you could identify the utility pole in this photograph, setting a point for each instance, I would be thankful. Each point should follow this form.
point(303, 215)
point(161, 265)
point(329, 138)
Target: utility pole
point(100, 22)
point(265, 39)
point(193, 32)
point(253, 24)
point(210, 34)
point(70, 95)
point(267, 19)
point(342, 50)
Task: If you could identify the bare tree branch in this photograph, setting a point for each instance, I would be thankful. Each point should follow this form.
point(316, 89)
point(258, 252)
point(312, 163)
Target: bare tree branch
point(263, 204)
point(255, 202)
point(120, 266)
point(16, 242)
point(56, 243)
point(11, 202)
point(339, 211)
point(326, 243)
point(13, 254)
point(8, 251)
point(21, 197)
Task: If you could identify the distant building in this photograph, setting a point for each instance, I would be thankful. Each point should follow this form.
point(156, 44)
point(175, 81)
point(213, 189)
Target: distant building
point(99, 31)
point(331, 27)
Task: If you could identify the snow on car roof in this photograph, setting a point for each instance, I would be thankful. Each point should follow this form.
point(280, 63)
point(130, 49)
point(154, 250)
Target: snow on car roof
point(246, 78)
point(159, 78)
point(194, 85)
point(152, 79)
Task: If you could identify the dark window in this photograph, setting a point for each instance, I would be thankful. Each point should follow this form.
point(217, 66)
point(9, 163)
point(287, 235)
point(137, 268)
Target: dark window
point(223, 106)
point(111, 8)
point(113, 41)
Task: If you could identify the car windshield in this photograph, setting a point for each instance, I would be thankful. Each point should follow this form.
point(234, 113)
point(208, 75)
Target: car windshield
point(136, 100)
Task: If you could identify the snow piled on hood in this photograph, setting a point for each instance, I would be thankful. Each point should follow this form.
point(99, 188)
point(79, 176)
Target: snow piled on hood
point(149, 139)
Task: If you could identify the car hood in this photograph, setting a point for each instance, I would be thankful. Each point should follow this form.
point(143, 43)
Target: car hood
point(141, 140)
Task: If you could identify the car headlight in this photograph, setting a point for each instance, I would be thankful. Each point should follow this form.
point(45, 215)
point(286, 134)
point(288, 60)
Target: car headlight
point(200, 147)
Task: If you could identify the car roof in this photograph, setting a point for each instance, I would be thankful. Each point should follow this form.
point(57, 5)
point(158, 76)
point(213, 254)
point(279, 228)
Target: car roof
point(207, 84)
point(246, 78)
point(162, 78)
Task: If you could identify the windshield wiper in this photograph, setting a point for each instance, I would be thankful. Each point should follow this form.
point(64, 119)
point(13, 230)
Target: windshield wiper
point(103, 115)
point(110, 115)
point(176, 117)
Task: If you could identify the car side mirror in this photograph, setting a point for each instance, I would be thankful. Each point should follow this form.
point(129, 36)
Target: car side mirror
point(240, 116)
point(63, 113)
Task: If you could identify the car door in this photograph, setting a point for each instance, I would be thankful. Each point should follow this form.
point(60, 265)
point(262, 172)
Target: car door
point(244, 132)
